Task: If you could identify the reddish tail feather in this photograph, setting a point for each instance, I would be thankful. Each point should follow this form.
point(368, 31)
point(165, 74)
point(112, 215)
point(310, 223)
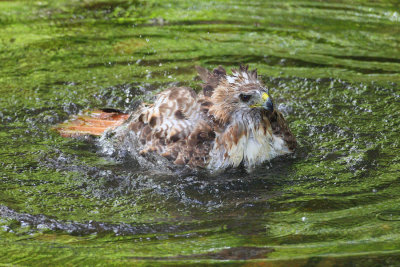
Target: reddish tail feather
point(94, 122)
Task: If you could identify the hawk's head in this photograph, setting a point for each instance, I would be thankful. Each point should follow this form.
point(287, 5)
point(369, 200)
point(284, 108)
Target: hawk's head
point(249, 128)
point(240, 95)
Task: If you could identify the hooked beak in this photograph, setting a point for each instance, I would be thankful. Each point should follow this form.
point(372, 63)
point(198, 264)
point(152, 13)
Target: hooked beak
point(265, 103)
point(268, 105)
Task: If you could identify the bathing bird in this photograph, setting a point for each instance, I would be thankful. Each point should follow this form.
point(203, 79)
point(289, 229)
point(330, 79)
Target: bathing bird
point(232, 121)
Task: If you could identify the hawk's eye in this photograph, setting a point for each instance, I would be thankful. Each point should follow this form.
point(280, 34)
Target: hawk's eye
point(244, 98)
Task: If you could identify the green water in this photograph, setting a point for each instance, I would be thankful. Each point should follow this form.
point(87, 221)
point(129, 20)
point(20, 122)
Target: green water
point(333, 68)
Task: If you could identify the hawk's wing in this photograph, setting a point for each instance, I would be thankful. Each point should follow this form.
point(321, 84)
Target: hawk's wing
point(175, 126)
point(172, 116)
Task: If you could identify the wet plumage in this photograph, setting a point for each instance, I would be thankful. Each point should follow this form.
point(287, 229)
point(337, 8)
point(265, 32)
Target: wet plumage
point(232, 121)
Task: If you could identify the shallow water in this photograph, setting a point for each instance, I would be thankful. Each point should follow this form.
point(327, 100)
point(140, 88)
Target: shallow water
point(333, 67)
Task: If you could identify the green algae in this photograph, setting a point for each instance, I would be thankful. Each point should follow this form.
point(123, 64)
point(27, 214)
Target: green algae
point(333, 68)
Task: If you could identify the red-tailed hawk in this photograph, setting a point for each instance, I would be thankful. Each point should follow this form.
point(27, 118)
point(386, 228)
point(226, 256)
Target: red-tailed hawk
point(233, 121)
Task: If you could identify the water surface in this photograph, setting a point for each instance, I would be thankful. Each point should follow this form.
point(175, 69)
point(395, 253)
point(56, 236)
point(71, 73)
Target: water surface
point(333, 68)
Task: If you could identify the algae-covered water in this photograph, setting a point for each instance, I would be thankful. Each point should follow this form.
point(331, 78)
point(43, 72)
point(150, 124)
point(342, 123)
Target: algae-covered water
point(333, 68)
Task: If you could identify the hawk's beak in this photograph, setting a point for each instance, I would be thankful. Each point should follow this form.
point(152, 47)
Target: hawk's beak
point(265, 102)
point(268, 105)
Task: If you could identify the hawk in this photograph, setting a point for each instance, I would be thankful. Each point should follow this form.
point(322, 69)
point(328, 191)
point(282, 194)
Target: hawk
point(233, 121)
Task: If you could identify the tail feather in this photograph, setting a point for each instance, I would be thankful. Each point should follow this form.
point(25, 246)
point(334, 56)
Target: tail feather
point(94, 122)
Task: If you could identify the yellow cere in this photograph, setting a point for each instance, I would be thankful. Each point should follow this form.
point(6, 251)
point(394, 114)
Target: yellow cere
point(264, 96)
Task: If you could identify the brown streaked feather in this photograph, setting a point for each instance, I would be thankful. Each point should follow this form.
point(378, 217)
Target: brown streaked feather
point(203, 73)
point(280, 128)
point(211, 79)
